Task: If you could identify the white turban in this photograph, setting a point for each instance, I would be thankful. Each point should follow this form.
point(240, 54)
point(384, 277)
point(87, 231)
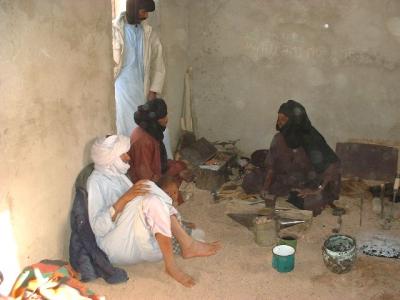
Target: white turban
point(106, 154)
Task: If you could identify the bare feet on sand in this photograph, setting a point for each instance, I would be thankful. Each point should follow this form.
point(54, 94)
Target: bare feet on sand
point(200, 249)
point(180, 276)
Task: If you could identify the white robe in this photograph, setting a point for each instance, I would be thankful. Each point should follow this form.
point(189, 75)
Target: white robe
point(131, 238)
point(129, 90)
point(129, 84)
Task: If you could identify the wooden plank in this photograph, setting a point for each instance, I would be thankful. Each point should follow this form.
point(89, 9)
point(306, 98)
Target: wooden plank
point(199, 152)
point(367, 161)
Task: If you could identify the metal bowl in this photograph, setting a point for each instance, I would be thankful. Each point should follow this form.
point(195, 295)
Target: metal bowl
point(339, 253)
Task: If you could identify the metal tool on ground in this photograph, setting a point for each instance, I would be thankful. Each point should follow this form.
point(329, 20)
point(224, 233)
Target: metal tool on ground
point(285, 222)
point(288, 216)
point(388, 214)
point(245, 219)
point(395, 191)
point(339, 212)
point(257, 202)
point(382, 199)
point(377, 201)
point(361, 207)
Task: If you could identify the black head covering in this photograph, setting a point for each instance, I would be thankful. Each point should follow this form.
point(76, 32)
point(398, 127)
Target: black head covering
point(297, 125)
point(147, 117)
point(133, 7)
point(298, 132)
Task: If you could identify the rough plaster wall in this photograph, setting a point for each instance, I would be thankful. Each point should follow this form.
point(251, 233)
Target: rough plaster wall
point(174, 37)
point(250, 56)
point(56, 94)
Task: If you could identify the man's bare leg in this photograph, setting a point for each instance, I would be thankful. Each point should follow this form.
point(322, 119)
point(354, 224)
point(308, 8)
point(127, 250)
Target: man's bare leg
point(190, 247)
point(171, 268)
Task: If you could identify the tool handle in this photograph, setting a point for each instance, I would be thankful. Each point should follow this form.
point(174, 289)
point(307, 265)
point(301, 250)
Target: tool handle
point(396, 183)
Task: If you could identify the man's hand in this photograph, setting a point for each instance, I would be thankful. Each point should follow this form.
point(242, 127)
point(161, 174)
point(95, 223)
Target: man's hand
point(151, 96)
point(140, 188)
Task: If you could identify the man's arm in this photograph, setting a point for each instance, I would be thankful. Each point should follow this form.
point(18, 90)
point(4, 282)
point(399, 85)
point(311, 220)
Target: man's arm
point(157, 68)
point(117, 48)
point(99, 215)
point(138, 189)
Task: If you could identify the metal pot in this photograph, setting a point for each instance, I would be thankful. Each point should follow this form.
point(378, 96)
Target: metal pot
point(339, 253)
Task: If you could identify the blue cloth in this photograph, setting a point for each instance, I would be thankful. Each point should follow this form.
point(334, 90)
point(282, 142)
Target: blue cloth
point(129, 85)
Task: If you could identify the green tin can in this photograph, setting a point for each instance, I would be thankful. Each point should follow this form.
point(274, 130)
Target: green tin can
point(288, 239)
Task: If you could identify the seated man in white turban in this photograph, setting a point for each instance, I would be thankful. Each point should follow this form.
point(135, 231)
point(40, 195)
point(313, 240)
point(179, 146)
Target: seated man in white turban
point(134, 223)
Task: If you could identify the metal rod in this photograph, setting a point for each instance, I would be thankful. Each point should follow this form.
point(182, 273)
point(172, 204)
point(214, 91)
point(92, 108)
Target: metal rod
point(382, 199)
point(361, 207)
point(395, 191)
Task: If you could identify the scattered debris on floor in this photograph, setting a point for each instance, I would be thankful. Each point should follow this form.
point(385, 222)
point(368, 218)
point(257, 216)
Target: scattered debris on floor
point(232, 190)
point(382, 247)
point(354, 187)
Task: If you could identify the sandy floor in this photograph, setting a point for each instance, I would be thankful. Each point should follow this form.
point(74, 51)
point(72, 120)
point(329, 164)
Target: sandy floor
point(242, 270)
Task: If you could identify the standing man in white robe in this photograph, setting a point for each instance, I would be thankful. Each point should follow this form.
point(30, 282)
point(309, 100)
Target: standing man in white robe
point(134, 223)
point(140, 70)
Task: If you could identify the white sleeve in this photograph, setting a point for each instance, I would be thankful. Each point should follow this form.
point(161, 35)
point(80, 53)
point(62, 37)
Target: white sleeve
point(157, 65)
point(99, 213)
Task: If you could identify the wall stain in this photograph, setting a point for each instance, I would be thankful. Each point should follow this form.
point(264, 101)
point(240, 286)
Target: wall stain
point(28, 7)
point(6, 7)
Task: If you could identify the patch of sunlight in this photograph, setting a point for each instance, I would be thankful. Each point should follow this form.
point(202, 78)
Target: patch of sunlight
point(9, 264)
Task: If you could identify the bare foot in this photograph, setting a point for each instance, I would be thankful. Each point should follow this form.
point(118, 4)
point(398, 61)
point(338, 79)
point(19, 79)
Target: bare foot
point(180, 276)
point(200, 249)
